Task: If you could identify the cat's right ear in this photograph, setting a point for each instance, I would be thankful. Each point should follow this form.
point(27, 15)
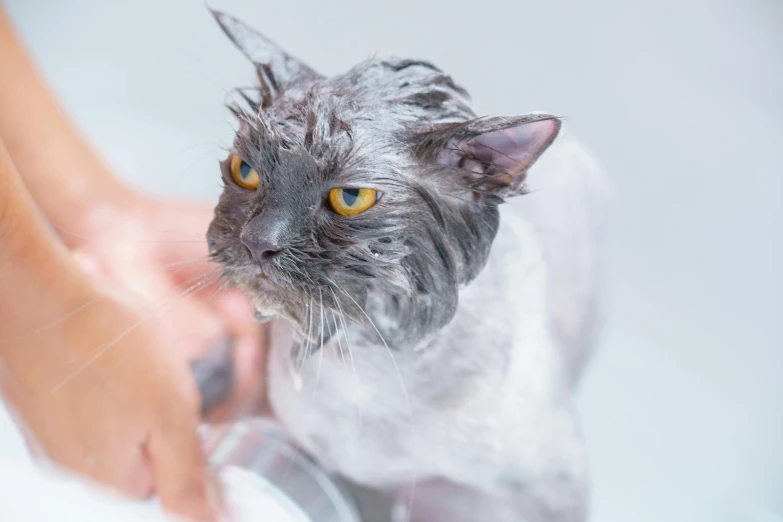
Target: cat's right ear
point(276, 68)
point(492, 155)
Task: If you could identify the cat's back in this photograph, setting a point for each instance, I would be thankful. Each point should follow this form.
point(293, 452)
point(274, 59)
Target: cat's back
point(562, 221)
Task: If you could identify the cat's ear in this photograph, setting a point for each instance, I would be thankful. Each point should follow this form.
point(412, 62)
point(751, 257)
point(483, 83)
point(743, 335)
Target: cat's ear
point(275, 67)
point(499, 150)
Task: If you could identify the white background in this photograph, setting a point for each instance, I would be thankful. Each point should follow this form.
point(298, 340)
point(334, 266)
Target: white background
point(681, 100)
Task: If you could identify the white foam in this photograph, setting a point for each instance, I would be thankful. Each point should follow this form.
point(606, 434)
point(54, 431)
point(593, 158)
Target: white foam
point(29, 492)
point(250, 498)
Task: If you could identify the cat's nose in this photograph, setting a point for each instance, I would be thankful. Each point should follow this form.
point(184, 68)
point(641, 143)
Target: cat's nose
point(260, 249)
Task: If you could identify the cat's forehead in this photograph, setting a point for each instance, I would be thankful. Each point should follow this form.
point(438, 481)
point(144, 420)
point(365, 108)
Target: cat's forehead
point(358, 117)
point(370, 83)
point(374, 96)
point(399, 86)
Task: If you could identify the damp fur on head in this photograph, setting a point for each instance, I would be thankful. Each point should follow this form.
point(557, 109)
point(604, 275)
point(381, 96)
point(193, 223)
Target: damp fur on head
point(399, 126)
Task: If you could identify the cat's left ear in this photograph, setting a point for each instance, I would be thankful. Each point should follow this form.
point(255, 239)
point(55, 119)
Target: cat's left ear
point(272, 62)
point(498, 150)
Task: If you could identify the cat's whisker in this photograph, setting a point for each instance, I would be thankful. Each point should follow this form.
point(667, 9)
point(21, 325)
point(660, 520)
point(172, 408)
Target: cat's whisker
point(399, 376)
point(305, 354)
point(62, 319)
point(198, 157)
point(155, 312)
point(215, 254)
point(197, 282)
point(293, 265)
point(95, 354)
point(52, 324)
point(168, 266)
point(345, 329)
point(320, 353)
point(201, 284)
point(214, 294)
point(74, 312)
point(388, 350)
point(189, 232)
point(345, 326)
point(66, 231)
point(204, 275)
point(350, 355)
point(200, 146)
point(321, 349)
point(190, 241)
point(339, 339)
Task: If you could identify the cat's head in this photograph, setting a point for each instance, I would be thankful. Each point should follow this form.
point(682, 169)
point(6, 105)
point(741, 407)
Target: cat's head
point(371, 194)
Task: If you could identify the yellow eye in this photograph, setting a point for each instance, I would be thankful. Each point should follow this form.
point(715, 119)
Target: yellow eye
point(243, 174)
point(350, 201)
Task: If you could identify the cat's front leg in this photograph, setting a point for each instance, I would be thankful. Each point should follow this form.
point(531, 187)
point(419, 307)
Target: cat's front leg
point(440, 500)
point(555, 492)
point(445, 501)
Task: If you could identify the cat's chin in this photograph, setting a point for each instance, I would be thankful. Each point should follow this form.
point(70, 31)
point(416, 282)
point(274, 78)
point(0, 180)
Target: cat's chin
point(263, 311)
point(261, 317)
point(309, 333)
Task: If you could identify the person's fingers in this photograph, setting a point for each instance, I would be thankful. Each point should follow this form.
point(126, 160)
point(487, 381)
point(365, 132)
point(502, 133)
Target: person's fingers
point(190, 325)
point(119, 464)
point(189, 272)
point(180, 473)
point(249, 358)
point(236, 311)
point(249, 384)
point(133, 478)
point(187, 224)
point(214, 374)
point(187, 255)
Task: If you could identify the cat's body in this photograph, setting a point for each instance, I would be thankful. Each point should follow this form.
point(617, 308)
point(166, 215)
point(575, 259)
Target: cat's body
point(487, 403)
point(414, 353)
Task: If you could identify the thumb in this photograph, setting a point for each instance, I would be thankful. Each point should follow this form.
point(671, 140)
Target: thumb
point(180, 474)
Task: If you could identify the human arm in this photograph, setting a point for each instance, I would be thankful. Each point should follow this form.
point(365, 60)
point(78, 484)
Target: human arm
point(152, 248)
point(64, 176)
point(73, 355)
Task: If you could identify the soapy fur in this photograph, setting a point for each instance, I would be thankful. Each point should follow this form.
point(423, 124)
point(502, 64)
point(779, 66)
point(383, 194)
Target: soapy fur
point(427, 348)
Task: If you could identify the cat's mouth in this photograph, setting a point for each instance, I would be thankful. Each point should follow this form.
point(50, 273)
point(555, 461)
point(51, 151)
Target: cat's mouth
point(316, 310)
point(308, 316)
point(315, 322)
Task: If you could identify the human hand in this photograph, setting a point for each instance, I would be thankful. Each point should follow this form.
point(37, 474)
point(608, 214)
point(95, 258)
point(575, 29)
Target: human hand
point(93, 382)
point(99, 392)
point(155, 250)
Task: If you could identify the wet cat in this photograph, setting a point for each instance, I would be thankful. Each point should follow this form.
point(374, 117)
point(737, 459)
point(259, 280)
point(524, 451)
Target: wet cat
point(430, 318)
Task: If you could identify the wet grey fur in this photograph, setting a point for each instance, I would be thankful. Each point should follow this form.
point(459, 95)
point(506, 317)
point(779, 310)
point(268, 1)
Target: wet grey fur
point(396, 322)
